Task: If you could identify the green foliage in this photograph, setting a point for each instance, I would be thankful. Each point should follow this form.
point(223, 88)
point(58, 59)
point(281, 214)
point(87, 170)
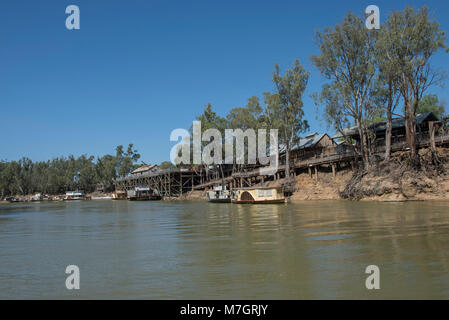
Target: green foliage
point(62, 174)
point(167, 165)
point(210, 120)
point(431, 103)
point(287, 105)
point(414, 37)
point(347, 60)
point(249, 117)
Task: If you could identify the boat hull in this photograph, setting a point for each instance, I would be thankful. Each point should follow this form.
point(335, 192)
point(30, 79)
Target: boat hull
point(219, 200)
point(145, 198)
point(259, 201)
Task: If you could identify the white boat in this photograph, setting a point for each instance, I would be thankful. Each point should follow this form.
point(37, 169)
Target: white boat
point(74, 195)
point(37, 197)
point(101, 198)
point(219, 194)
point(143, 193)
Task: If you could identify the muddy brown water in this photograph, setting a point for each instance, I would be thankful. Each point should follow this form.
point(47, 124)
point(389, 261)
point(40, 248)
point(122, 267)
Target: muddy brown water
point(199, 250)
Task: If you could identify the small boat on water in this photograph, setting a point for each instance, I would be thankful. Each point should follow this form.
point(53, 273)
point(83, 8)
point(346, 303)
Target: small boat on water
point(12, 199)
point(74, 195)
point(258, 195)
point(143, 193)
point(218, 194)
point(119, 195)
point(37, 197)
point(101, 198)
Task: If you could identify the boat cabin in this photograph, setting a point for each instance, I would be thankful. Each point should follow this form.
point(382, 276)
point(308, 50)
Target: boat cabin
point(74, 195)
point(143, 193)
point(258, 195)
point(119, 195)
point(218, 194)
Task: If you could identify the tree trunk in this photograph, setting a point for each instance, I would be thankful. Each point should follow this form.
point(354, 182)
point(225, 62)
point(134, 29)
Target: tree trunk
point(432, 136)
point(363, 146)
point(388, 135)
point(222, 175)
point(287, 163)
point(410, 132)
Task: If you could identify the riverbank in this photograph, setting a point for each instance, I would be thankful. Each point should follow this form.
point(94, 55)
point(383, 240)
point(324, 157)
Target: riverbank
point(387, 181)
point(38, 197)
point(395, 180)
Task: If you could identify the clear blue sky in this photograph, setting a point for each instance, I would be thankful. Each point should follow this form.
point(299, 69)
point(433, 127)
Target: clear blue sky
point(137, 69)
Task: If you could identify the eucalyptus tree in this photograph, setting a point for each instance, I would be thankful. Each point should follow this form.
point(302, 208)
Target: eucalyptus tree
point(105, 171)
point(126, 160)
point(65, 173)
point(248, 117)
point(290, 88)
point(387, 93)
point(86, 173)
point(208, 120)
point(414, 37)
point(347, 60)
point(3, 186)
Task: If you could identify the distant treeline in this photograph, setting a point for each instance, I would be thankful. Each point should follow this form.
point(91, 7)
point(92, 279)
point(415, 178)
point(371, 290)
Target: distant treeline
point(66, 173)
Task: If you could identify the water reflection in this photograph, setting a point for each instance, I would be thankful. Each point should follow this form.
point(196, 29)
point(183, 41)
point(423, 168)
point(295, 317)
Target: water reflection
point(205, 250)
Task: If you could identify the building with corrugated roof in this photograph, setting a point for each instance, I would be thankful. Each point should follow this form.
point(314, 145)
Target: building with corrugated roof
point(398, 127)
point(146, 168)
point(312, 145)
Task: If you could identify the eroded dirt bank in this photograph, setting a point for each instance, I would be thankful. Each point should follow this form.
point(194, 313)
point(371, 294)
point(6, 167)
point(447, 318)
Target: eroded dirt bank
point(396, 180)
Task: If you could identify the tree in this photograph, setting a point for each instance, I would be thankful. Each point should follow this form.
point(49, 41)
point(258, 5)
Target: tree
point(86, 173)
point(289, 89)
point(126, 160)
point(3, 186)
point(388, 82)
point(244, 118)
point(415, 38)
point(210, 120)
point(166, 165)
point(248, 117)
point(62, 174)
point(105, 171)
point(431, 103)
point(347, 60)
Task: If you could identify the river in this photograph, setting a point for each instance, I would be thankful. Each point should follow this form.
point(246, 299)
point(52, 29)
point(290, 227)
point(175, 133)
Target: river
point(198, 250)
